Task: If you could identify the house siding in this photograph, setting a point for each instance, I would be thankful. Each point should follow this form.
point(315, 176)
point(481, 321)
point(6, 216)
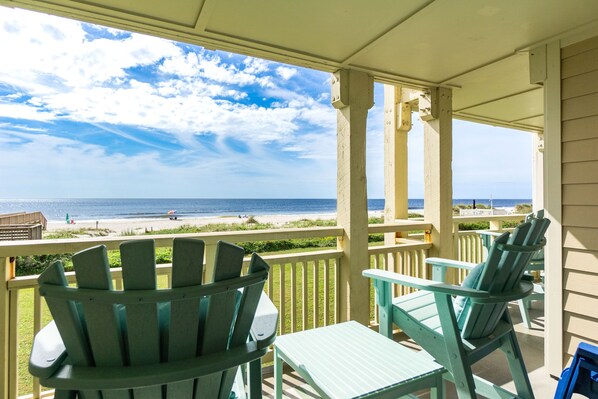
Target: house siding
point(579, 94)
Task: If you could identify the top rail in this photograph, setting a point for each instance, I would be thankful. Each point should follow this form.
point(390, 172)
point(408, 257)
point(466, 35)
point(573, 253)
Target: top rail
point(66, 245)
point(489, 218)
point(58, 246)
point(398, 226)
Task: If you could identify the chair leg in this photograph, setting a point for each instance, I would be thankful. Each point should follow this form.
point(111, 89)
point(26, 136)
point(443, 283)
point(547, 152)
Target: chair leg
point(277, 375)
point(437, 392)
point(463, 376)
point(384, 301)
point(523, 306)
point(516, 366)
point(459, 365)
point(255, 379)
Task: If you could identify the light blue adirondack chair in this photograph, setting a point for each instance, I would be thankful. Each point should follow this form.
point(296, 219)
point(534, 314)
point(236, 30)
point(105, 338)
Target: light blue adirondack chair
point(460, 331)
point(535, 264)
point(186, 341)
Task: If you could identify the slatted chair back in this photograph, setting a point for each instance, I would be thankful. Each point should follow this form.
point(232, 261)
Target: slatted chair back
point(537, 261)
point(148, 327)
point(507, 259)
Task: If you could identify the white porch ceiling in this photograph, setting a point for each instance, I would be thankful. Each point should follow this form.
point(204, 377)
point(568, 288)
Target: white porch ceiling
point(477, 47)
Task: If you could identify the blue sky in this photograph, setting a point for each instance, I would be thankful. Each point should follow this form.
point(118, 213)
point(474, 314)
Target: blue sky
point(87, 111)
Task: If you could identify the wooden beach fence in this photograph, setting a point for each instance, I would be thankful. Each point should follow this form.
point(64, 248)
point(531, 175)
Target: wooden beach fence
point(22, 226)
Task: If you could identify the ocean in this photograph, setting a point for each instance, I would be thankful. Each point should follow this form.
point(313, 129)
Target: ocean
point(144, 208)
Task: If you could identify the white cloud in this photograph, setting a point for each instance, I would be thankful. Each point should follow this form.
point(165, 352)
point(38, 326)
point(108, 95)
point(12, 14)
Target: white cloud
point(255, 65)
point(70, 76)
point(54, 70)
point(182, 115)
point(43, 54)
point(23, 111)
point(285, 72)
point(211, 67)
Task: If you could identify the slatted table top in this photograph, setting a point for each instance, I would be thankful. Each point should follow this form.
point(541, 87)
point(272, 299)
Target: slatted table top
point(349, 360)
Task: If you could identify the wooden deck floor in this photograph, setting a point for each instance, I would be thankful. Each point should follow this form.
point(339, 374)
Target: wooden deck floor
point(493, 368)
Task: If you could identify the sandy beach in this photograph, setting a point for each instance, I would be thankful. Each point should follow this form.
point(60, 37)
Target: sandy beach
point(120, 226)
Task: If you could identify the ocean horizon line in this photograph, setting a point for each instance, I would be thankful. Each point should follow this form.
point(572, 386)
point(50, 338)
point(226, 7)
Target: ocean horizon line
point(152, 208)
point(234, 198)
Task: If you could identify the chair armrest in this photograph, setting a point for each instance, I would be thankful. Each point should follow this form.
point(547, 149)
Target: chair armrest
point(265, 322)
point(523, 289)
point(48, 352)
point(71, 377)
point(450, 263)
point(490, 233)
point(423, 284)
point(488, 237)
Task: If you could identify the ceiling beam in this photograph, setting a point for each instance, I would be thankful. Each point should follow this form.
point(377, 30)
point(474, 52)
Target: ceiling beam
point(204, 15)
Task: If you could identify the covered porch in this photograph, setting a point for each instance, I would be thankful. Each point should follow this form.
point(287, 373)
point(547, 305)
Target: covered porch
point(529, 66)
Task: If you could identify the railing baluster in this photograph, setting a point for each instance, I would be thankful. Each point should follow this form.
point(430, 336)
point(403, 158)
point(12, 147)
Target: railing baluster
point(304, 299)
point(414, 262)
point(282, 303)
point(316, 292)
point(293, 305)
point(13, 343)
point(37, 325)
point(118, 283)
point(270, 283)
point(401, 270)
point(396, 259)
point(327, 303)
point(337, 291)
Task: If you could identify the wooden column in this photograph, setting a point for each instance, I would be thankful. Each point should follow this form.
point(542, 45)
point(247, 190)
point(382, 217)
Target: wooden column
point(397, 124)
point(545, 67)
point(435, 108)
point(352, 96)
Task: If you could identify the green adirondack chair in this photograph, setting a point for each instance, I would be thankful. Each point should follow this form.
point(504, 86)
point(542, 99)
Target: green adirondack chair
point(460, 331)
point(186, 341)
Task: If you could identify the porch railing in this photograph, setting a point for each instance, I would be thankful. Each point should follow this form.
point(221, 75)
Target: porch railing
point(304, 286)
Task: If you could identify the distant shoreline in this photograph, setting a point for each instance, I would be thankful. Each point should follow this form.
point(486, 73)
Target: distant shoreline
point(119, 226)
point(138, 226)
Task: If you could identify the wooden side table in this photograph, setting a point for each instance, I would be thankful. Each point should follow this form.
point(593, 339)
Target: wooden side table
point(349, 360)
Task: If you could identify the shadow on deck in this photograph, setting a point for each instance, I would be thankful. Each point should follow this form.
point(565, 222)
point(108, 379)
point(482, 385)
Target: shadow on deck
point(493, 368)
